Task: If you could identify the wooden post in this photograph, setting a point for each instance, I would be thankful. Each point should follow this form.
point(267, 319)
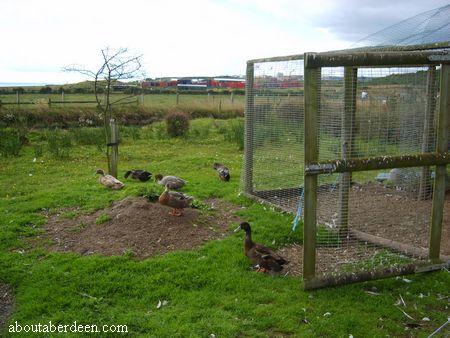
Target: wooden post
point(17, 97)
point(249, 128)
point(347, 133)
point(220, 106)
point(232, 97)
point(178, 98)
point(114, 143)
point(439, 180)
point(62, 96)
point(49, 102)
point(427, 141)
point(142, 99)
point(312, 96)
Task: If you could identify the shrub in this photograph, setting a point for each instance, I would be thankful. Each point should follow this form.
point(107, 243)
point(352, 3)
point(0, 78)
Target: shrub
point(45, 90)
point(10, 142)
point(177, 124)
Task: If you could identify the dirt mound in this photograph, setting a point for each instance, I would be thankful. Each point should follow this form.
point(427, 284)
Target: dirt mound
point(6, 304)
point(134, 225)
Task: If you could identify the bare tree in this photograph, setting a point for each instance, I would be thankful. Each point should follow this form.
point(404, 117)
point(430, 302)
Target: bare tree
point(117, 65)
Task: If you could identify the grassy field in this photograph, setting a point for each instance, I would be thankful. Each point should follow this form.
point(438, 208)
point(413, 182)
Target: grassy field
point(209, 291)
point(149, 100)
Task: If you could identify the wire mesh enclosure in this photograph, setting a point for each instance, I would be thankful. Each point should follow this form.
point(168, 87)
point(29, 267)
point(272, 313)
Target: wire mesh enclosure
point(357, 144)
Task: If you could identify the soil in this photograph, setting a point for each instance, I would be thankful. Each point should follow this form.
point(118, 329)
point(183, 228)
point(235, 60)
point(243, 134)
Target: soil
point(329, 259)
point(379, 210)
point(393, 214)
point(6, 304)
point(139, 227)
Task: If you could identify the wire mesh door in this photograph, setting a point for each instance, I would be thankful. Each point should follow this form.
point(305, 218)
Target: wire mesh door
point(273, 163)
point(372, 133)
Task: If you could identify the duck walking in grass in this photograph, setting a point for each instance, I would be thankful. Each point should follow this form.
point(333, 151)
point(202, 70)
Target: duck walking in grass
point(137, 174)
point(224, 172)
point(109, 181)
point(260, 255)
point(176, 200)
point(172, 182)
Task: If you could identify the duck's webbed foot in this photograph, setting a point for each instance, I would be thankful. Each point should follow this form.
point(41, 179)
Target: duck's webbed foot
point(177, 212)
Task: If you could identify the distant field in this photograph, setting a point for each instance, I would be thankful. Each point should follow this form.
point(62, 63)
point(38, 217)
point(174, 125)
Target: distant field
point(149, 100)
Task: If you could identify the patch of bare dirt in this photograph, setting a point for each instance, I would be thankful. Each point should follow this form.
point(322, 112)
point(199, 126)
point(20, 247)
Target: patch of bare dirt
point(6, 304)
point(140, 227)
point(328, 259)
point(395, 215)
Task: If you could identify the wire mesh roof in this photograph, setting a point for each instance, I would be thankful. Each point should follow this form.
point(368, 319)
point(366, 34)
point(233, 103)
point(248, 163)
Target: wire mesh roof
point(429, 27)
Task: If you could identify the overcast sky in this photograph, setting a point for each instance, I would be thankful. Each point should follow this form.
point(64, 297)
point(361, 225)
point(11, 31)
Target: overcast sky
point(182, 38)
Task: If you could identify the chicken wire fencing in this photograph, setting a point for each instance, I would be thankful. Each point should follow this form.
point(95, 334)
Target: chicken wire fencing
point(370, 220)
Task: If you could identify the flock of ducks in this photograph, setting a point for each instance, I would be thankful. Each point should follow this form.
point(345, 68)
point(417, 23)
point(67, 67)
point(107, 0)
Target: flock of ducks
point(263, 258)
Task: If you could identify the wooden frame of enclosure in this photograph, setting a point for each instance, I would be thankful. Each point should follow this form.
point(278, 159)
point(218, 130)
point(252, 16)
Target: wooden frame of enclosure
point(351, 60)
point(431, 55)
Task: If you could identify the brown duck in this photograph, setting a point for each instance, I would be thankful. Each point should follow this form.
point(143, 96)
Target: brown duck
point(176, 200)
point(260, 255)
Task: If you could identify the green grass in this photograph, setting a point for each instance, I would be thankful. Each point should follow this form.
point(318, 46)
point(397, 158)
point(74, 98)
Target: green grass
point(210, 290)
point(103, 218)
point(157, 101)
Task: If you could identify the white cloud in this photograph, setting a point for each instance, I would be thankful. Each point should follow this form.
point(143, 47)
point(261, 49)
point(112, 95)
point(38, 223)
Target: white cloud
point(208, 37)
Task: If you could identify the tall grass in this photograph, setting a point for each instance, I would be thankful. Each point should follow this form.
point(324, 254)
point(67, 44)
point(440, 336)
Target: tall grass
point(59, 143)
point(234, 133)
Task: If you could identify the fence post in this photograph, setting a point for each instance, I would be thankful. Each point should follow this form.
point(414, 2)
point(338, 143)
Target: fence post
point(178, 98)
point(62, 96)
point(114, 143)
point(427, 141)
point(347, 133)
point(312, 96)
point(49, 102)
point(142, 99)
point(248, 129)
point(220, 106)
point(439, 179)
point(232, 97)
point(17, 97)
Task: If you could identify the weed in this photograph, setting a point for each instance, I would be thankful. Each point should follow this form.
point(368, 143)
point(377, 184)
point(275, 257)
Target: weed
point(102, 219)
point(78, 228)
point(59, 143)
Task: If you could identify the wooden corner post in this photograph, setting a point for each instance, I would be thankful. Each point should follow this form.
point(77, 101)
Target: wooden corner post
point(439, 180)
point(428, 139)
point(312, 97)
point(347, 134)
point(249, 128)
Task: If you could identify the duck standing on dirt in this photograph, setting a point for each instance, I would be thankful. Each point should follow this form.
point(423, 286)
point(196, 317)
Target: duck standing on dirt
point(109, 181)
point(224, 172)
point(260, 255)
point(172, 182)
point(176, 200)
point(137, 174)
